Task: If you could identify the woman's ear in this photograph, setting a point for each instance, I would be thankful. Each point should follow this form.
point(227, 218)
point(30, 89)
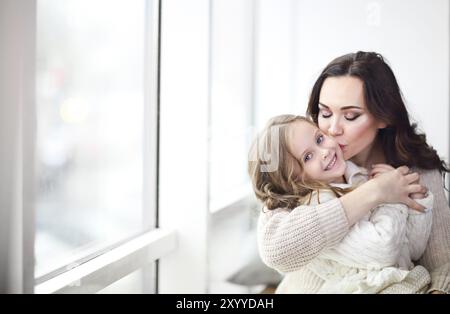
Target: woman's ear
point(381, 125)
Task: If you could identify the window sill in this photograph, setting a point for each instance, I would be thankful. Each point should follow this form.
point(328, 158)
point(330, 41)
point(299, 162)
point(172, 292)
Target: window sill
point(230, 198)
point(100, 272)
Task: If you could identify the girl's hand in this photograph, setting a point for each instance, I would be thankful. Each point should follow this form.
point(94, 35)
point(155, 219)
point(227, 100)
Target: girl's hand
point(378, 169)
point(397, 185)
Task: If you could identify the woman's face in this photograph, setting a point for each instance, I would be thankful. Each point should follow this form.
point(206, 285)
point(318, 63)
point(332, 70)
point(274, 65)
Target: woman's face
point(343, 114)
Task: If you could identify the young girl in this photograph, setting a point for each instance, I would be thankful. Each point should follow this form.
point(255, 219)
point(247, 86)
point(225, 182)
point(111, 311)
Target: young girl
point(307, 167)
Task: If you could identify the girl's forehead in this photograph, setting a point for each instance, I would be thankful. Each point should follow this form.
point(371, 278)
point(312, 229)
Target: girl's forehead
point(301, 135)
point(303, 126)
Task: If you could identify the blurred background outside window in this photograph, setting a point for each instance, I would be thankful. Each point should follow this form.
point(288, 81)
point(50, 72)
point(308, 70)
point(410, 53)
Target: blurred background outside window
point(90, 115)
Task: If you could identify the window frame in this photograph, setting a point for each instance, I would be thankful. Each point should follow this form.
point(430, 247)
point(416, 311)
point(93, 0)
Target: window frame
point(95, 272)
point(104, 270)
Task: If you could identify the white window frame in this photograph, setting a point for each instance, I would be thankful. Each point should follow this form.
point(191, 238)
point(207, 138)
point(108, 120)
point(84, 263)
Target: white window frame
point(184, 144)
point(18, 121)
point(110, 267)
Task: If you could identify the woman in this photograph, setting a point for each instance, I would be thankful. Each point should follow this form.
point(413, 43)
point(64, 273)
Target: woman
point(357, 100)
point(378, 250)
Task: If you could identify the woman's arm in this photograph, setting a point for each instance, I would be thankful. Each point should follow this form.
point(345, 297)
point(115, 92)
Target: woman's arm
point(418, 227)
point(289, 239)
point(436, 258)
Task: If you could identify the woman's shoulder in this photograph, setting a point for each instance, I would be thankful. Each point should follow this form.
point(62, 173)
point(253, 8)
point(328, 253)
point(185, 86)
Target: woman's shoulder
point(425, 171)
point(429, 175)
point(432, 179)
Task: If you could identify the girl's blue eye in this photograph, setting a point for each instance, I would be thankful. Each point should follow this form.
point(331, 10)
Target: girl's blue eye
point(307, 157)
point(319, 139)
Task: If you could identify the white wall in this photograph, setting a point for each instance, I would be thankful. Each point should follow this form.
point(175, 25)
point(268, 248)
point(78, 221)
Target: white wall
point(412, 34)
point(17, 136)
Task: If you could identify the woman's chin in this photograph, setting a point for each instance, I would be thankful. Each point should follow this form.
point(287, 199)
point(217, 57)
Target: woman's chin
point(347, 155)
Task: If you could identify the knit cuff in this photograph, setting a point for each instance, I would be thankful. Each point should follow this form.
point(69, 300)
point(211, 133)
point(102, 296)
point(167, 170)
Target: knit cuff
point(440, 279)
point(333, 221)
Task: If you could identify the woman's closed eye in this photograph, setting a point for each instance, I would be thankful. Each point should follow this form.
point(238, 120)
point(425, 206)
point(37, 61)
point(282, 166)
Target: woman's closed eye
point(325, 113)
point(351, 116)
point(348, 116)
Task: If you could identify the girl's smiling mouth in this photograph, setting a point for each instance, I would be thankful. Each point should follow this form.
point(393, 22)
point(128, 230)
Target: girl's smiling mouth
point(331, 163)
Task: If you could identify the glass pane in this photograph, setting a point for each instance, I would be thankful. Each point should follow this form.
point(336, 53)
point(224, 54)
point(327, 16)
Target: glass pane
point(90, 63)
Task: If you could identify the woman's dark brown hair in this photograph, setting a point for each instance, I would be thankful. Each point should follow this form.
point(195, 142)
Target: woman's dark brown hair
point(402, 144)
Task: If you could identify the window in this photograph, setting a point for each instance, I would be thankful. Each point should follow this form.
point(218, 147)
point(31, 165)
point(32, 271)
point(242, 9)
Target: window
point(96, 104)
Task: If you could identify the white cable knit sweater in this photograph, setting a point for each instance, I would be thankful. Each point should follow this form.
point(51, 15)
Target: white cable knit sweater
point(307, 235)
point(375, 253)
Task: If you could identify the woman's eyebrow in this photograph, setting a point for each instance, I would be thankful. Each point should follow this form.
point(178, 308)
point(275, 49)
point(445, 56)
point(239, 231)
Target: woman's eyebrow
point(342, 108)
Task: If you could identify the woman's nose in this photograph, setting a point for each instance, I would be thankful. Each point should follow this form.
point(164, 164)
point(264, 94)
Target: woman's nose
point(335, 128)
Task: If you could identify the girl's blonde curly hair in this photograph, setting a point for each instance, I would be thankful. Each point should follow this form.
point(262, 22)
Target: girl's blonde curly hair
point(279, 182)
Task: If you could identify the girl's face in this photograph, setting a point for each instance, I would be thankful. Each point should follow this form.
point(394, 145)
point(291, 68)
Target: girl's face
point(320, 155)
point(343, 114)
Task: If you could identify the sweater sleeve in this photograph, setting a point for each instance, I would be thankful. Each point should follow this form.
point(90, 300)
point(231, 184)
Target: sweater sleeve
point(289, 239)
point(440, 279)
point(419, 227)
point(436, 258)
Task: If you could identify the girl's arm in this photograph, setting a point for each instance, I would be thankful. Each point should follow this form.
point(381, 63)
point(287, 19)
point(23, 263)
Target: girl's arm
point(289, 239)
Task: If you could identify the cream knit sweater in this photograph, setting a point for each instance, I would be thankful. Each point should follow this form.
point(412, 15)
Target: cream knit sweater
point(288, 240)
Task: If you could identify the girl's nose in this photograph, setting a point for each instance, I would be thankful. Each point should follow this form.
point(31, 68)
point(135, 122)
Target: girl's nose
point(325, 153)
